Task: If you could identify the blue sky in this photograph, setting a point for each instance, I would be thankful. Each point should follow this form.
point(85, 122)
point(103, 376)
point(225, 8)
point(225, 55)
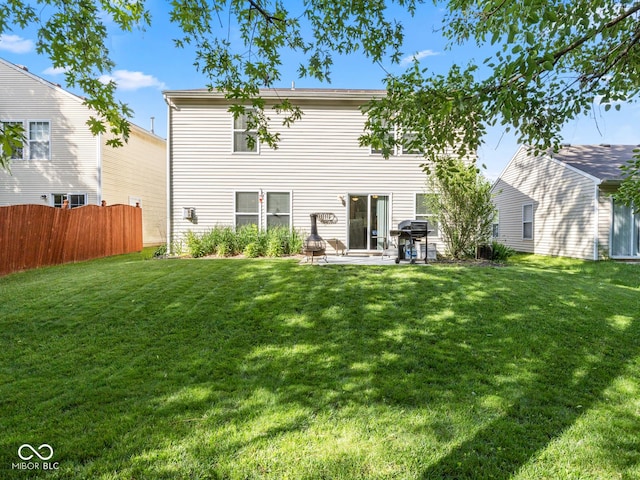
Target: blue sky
point(147, 63)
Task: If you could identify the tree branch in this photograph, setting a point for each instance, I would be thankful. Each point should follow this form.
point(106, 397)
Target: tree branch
point(269, 18)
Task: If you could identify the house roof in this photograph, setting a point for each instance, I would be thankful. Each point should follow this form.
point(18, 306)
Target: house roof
point(56, 86)
point(291, 93)
point(600, 161)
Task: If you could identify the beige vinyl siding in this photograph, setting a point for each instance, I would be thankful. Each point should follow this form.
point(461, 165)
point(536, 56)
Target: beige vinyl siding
point(318, 160)
point(72, 167)
point(138, 170)
point(564, 207)
point(605, 220)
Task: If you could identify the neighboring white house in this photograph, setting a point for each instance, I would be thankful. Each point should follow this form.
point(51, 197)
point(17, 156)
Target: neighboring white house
point(561, 204)
point(61, 159)
point(319, 166)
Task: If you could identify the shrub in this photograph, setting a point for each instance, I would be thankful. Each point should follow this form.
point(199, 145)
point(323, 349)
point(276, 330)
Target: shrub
point(224, 241)
point(161, 251)
point(252, 250)
point(246, 235)
point(501, 252)
point(194, 244)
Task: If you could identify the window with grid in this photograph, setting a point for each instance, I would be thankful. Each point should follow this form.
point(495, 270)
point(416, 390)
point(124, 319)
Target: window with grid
point(75, 199)
point(247, 208)
point(388, 140)
point(423, 212)
point(278, 209)
point(39, 139)
point(241, 135)
point(17, 153)
point(407, 139)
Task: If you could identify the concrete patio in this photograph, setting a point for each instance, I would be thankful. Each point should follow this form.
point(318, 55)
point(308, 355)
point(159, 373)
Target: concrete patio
point(356, 260)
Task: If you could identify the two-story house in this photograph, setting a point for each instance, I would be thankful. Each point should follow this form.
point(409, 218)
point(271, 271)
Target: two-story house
point(216, 178)
point(61, 159)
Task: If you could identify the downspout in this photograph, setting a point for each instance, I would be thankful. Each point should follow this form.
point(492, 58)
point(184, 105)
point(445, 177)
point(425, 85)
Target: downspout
point(99, 167)
point(169, 179)
point(596, 216)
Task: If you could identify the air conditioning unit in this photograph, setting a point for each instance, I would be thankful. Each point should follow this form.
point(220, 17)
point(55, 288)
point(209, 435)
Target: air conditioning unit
point(188, 213)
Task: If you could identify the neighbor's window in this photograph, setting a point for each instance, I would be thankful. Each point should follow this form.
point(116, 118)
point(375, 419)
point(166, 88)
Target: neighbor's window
point(527, 221)
point(247, 208)
point(17, 153)
point(495, 225)
point(424, 213)
point(278, 209)
point(39, 139)
point(241, 135)
point(75, 199)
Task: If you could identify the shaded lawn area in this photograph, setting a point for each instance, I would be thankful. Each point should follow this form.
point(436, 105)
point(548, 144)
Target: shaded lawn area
point(139, 369)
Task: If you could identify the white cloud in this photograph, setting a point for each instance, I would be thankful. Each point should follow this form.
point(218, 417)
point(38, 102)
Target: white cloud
point(418, 56)
point(15, 44)
point(127, 80)
point(55, 71)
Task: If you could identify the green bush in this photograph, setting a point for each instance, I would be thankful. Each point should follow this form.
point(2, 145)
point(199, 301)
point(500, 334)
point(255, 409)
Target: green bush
point(246, 235)
point(501, 252)
point(194, 244)
point(160, 251)
point(252, 250)
point(224, 241)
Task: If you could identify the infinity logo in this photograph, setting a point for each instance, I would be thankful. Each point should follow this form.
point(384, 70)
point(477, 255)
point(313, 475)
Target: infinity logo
point(38, 453)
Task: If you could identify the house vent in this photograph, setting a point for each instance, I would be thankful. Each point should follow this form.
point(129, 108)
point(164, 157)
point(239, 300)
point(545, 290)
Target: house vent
point(188, 213)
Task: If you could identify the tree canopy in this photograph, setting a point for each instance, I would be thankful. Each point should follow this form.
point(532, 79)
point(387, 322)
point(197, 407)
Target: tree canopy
point(551, 60)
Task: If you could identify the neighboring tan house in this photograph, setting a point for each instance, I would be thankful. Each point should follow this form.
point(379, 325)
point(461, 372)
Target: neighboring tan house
point(62, 160)
point(319, 166)
point(561, 204)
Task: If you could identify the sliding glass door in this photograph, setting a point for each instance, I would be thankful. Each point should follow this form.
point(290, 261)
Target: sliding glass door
point(368, 221)
point(625, 234)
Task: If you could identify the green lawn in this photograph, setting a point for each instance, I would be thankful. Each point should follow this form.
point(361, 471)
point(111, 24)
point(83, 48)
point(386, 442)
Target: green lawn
point(142, 369)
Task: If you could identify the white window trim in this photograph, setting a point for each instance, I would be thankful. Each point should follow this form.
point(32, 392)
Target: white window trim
point(233, 138)
point(266, 207)
point(27, 150)
point(415, 212)
point(24, 144)
point(394, 150)
point(68, 194)
point(496, 216)
point(531, 222)
point(235, 206)
point(401, 147)
point(397, 150)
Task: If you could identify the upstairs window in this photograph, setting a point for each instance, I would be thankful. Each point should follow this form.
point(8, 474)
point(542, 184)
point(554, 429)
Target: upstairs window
point(387, 140)
point(18, 152)
point(39, 140)
point(407, 138)
point(241, 135)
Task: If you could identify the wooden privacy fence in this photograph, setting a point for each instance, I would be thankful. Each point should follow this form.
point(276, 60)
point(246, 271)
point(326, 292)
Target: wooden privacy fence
point(33, 236)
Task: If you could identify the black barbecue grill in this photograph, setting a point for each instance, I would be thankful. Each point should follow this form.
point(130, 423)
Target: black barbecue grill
point(410, 232)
